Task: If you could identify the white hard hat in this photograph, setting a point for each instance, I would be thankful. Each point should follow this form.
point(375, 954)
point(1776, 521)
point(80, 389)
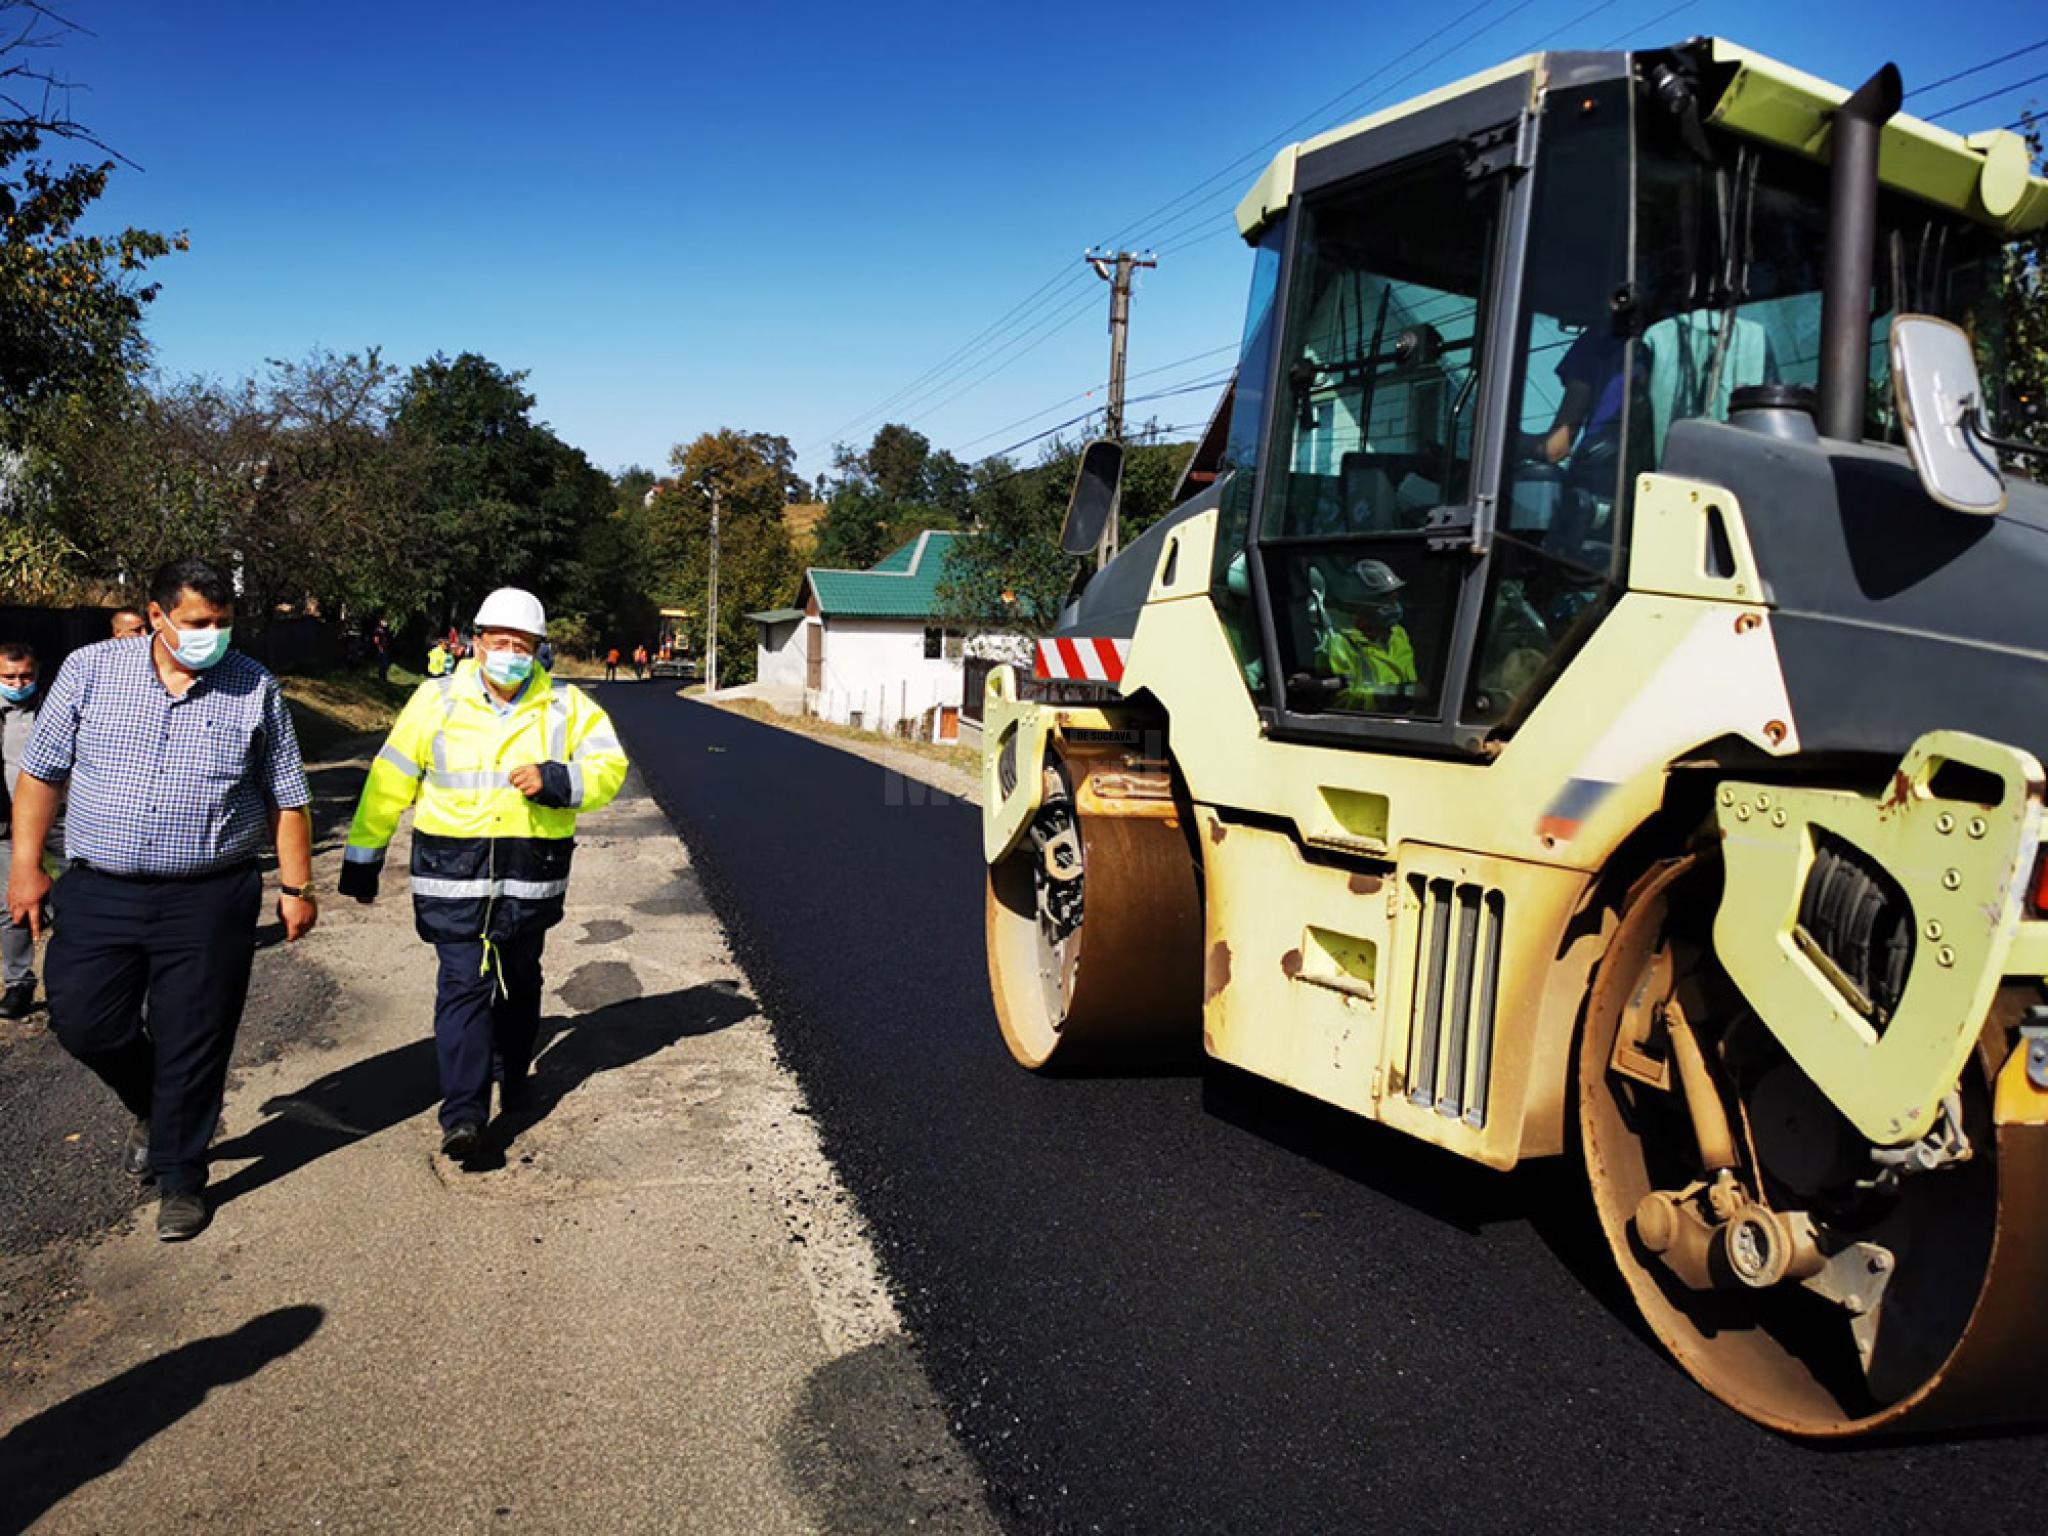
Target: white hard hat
point(511, 608)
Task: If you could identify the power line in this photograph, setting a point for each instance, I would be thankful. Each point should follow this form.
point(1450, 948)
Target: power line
point(950, 371)
point(1052, 326)
point(1084, 394)
point(1193, 218)
point(957, 361)
point(1976, 69)
point(1655, 21)
point(2004, 90)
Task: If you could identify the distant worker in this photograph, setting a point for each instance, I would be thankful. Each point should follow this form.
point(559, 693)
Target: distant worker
point(544, 658)
point(17, 721)
point(1366, 648)
point(182, 769)
point(439, 662)
point(129, 624)
point(640, 662)
point(611, 665)
point(500, 761)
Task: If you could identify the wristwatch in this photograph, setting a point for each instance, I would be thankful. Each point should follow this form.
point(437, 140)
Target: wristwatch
point(296, 892)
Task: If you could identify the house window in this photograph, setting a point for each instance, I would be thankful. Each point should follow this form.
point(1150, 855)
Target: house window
point(955, 645)
point(934, 643)
point(947, 643)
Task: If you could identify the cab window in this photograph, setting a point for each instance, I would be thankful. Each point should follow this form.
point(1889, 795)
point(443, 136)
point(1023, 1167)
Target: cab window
point(1373, 427)
point(1577, 421)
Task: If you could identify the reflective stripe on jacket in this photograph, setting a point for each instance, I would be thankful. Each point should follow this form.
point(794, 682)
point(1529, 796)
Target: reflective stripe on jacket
point(486, 860)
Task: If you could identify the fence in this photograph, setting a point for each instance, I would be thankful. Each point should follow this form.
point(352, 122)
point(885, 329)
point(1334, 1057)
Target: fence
point(283, 645)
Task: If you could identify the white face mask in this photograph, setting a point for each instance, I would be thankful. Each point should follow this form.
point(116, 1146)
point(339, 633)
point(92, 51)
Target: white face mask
point(196, 648)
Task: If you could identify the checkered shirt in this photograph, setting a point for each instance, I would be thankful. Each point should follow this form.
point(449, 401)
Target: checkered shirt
point(161, 785)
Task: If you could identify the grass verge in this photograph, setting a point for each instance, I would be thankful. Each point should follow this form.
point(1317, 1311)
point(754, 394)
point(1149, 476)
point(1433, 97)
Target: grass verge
point(966, 759)
point(330, 707)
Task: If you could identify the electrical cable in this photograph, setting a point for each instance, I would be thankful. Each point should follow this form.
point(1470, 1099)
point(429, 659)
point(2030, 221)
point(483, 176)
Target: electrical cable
point(1976, 69)
point(2004, 90)
point(1655, 21)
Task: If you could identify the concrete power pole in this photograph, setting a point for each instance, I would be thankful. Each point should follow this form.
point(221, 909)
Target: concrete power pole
point(1116, 269)
point(711, 623)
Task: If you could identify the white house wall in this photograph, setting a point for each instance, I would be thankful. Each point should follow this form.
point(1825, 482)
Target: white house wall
point(779, 655)
point(877, 669)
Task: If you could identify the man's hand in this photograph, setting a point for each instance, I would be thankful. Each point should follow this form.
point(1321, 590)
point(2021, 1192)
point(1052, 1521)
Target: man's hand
point(298, 915)
point(26, 888)
point(526, 779)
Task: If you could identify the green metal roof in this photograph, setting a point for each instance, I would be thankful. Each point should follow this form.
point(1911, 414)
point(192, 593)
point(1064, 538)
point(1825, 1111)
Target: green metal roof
point(902, 585)
point(776, 615)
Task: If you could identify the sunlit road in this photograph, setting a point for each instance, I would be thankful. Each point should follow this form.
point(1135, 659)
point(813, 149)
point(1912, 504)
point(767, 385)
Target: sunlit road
point(1196, 1303)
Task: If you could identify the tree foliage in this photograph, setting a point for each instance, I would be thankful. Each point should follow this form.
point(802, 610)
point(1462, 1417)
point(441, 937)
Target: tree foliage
point(71, 304)
point(881, 497)
point(1012, 576)
point(755, 476)
point(2026, 329)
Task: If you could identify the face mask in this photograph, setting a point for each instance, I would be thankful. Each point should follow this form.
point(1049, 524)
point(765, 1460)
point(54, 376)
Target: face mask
point(197, 648)
point(507, 667)
point(19, 695)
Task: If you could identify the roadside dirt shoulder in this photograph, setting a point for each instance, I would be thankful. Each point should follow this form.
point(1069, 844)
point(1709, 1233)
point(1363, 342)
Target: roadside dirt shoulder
point(660, 1313)
point(945, 772)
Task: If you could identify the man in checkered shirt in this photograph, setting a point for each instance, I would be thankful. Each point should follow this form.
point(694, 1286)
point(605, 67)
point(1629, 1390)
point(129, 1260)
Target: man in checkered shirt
point(182, 768)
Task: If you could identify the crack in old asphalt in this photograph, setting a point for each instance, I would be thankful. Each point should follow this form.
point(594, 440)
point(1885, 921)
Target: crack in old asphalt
point(1195, 1302)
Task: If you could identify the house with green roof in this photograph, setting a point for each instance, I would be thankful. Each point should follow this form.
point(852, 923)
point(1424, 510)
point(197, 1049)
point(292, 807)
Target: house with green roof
point(868, 647)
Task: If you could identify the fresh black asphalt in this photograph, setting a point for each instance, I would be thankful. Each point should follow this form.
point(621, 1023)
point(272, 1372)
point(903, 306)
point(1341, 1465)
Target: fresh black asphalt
point(1196, 1303)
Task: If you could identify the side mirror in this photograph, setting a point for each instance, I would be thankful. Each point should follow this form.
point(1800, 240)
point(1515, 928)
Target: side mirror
point(1941, 401)
point(1096, 486)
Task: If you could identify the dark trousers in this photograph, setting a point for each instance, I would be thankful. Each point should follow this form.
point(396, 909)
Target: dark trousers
point(185, 946)
point(482, 1029)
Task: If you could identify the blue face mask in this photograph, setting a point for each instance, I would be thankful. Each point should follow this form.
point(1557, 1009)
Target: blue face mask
point(507, 667)
point(197, 648)
point(19, 695)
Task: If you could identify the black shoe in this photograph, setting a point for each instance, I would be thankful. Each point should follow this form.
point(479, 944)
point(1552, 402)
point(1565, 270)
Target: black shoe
point(18, 1000)
point(180, 1216)
point(463, 1141)
point(135, 1154)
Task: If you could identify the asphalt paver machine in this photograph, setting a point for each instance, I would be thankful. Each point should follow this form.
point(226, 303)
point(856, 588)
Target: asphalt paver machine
point(1598, 709)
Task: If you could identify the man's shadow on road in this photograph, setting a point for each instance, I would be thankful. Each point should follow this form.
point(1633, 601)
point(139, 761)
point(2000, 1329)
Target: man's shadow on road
point(381, 1091)
point(44, 1460)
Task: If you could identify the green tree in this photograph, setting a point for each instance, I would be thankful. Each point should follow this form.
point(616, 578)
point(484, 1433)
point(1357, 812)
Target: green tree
point(895, 461)
point(755, 474)
point(504, 501)
point(2026, 330)
point(883, 497)
point(1013, 575)
point(71, 304)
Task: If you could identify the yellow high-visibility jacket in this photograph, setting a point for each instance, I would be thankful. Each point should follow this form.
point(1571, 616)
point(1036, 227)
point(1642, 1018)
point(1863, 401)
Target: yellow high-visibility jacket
point(487, 862)
point(437, 661)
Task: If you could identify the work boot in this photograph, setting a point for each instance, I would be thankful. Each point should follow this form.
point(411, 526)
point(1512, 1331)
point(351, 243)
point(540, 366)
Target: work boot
point(17, 1000)
point(179, 1216)
point(135, 1152)
point(463, 1141)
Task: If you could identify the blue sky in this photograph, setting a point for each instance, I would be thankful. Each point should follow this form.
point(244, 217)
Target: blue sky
point(777, 216)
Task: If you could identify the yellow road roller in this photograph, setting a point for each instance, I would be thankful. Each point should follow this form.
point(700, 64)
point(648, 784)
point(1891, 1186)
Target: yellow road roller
point(1595, 706)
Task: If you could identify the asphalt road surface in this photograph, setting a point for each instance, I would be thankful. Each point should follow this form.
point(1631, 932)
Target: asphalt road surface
point(1196, 1303)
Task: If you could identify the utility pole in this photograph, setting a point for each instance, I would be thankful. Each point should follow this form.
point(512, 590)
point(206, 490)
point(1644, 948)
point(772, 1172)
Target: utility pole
point(1116, 269)
point(711, 624)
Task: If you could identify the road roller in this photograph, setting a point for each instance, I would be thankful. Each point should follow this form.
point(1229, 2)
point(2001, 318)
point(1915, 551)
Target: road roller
point(1590, 701)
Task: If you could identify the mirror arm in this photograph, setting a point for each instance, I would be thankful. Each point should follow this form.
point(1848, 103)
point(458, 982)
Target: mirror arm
point(1973, 420)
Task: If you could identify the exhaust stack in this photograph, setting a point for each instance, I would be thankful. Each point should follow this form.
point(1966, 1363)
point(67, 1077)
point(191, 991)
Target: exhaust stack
point(1852, 239)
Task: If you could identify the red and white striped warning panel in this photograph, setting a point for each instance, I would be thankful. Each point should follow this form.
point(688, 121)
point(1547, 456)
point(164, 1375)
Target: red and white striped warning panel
point(1082, 660)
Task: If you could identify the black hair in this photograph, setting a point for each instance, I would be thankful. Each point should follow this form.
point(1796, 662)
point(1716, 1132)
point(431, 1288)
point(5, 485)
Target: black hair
point(17, 650)
point(176, 577)
point(136, 611)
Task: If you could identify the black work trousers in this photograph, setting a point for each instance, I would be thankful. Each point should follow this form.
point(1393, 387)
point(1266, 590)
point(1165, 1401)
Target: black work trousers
point(186, 946)
point(486, 1021)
